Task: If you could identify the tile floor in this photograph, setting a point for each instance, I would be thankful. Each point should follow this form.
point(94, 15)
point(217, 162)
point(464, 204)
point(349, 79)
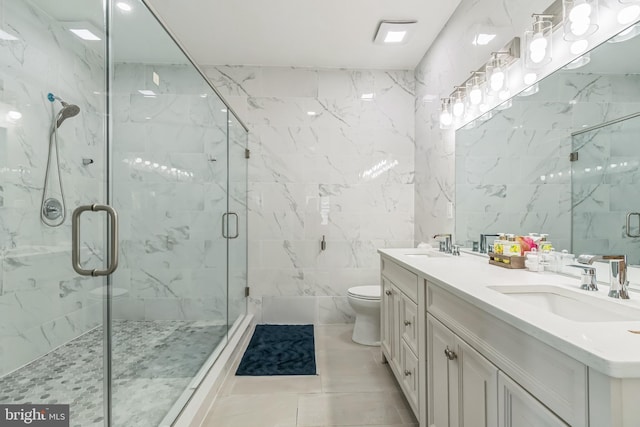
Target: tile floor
point(150, 358)
point(353, 388)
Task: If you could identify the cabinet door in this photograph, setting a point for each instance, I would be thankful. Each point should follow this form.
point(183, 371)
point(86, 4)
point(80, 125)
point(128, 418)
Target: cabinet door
point(386, 319)
point(410, 375)
point(478, 388)
point(409, 322)
point(517, 408)
point(442, 384)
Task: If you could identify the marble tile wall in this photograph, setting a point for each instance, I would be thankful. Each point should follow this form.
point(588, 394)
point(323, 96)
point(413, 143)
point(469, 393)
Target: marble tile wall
point(43, 302)
point(333, 156)
point(170, 188)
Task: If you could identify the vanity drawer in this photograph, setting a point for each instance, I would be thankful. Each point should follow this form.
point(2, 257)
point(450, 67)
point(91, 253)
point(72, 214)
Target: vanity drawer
point(409, 322)
point(404, 280)
point(552, 377)
point(410, 377)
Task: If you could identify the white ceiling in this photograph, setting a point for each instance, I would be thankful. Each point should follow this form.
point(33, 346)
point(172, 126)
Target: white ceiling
point(302, 33)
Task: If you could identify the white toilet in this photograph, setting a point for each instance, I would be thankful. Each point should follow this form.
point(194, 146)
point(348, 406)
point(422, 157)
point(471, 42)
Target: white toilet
point(365, 301)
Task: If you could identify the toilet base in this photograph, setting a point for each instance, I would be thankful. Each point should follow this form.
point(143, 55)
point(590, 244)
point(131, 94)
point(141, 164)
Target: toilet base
point(366, 330)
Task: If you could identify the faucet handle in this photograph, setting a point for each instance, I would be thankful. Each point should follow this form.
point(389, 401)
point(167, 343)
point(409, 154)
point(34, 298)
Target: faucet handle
point(588, 277)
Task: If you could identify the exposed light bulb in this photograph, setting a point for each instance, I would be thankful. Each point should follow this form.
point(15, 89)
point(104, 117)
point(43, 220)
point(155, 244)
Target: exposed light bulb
point(446, 119)
point(530, 78)
point(579, 47)
point(538, 48)
point(475, 96)
point(483, 108)
point(458, 108)
point(497, 79)
point(504, 94)
point(580, 19)
point(629, 14)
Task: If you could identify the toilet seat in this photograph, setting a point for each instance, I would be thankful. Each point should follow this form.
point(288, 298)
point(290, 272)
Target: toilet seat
point(371, 293)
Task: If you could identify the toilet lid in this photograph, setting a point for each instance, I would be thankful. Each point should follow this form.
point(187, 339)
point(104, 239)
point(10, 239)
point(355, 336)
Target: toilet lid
point(365, 292)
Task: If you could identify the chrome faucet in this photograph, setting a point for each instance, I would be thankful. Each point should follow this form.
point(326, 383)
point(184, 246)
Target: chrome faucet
point(618, 283)
point(447, 242)
point(483, 242)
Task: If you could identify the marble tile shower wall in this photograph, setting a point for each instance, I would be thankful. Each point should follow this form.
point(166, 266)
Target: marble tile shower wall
point(43, 303)
point(446, 64)
point(170, 194)
point(332, 155)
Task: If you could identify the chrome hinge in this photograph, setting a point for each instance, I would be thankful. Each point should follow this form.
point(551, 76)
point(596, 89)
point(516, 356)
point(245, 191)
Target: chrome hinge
point(573, 156)
point(247, 153)
point(246, 291)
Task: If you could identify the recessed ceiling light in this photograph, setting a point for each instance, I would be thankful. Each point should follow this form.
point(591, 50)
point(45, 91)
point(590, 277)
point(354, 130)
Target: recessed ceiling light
point(125, 7)
point(84, 34)
point(394, 32)
point(14, 115)
point(367, 96)
point(6, 36)
point(311, 113)
point(483, 39)
point(395, 36)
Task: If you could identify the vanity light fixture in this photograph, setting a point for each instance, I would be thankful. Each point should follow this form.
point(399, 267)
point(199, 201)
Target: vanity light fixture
point(496, 73)
point(458, 102)
point(394, 32)
point(629, 14)
point(474, 88)
point(580, 18)
point(538, 41)
point(529, 78)
point(446, 118)
point(579, 46)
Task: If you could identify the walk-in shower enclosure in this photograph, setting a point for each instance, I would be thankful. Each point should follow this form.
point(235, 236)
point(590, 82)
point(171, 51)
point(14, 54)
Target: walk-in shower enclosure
point(155, 142)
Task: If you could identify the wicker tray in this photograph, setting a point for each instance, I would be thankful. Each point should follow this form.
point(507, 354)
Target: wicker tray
point(506, 261)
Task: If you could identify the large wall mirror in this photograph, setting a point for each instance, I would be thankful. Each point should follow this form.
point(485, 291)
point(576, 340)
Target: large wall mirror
point(513, 169)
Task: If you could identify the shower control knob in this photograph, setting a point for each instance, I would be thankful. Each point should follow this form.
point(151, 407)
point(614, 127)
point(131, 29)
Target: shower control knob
point(407, 373)
point(407, 323)
point(387, 292)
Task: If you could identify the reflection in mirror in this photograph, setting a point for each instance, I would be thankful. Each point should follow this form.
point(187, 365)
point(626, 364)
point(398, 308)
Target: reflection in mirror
point(513, 172)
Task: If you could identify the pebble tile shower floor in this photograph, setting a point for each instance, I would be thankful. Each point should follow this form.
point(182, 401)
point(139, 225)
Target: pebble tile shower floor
point(152, 364)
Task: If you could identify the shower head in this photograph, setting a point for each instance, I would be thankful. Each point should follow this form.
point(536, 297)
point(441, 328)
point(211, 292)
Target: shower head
point(68, 110)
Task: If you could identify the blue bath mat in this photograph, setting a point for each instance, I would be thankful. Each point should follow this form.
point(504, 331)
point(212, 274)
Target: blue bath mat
point(279, 350)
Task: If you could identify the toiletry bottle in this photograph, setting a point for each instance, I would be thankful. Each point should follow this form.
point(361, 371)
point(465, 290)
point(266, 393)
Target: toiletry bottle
point(498, 244)
point(544, 243)
point(512, 248)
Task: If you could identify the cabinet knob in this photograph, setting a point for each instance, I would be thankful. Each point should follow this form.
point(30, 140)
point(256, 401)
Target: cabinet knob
point(387, 292)
point(407, 323)
point(407, 373)
point(451, 355)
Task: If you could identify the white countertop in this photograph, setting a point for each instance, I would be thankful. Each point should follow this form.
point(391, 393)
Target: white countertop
point(608, 347)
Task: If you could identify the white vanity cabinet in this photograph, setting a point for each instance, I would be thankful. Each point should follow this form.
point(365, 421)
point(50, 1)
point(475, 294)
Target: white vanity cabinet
point(462, 389)
point(517, 408)
point(401, 329)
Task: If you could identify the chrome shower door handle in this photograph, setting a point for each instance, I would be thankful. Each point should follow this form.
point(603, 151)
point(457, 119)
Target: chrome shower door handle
point(237, 233)
point(75, 240)
point(224, 223)
point(628, 230)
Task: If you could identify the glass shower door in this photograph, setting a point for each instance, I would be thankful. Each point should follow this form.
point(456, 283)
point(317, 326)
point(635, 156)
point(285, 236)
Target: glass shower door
point(169, 184)
point(51, 335)
point(605, 189)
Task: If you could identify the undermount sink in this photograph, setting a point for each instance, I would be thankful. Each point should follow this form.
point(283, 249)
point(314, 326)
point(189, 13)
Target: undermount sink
point(432, 254)
point(578, 305)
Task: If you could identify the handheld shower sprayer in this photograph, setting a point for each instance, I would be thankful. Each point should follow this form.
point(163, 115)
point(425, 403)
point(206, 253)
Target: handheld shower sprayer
point(68, 110)
point(53, 206)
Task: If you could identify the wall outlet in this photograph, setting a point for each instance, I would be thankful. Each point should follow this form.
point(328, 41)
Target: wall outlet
point(450, 210)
